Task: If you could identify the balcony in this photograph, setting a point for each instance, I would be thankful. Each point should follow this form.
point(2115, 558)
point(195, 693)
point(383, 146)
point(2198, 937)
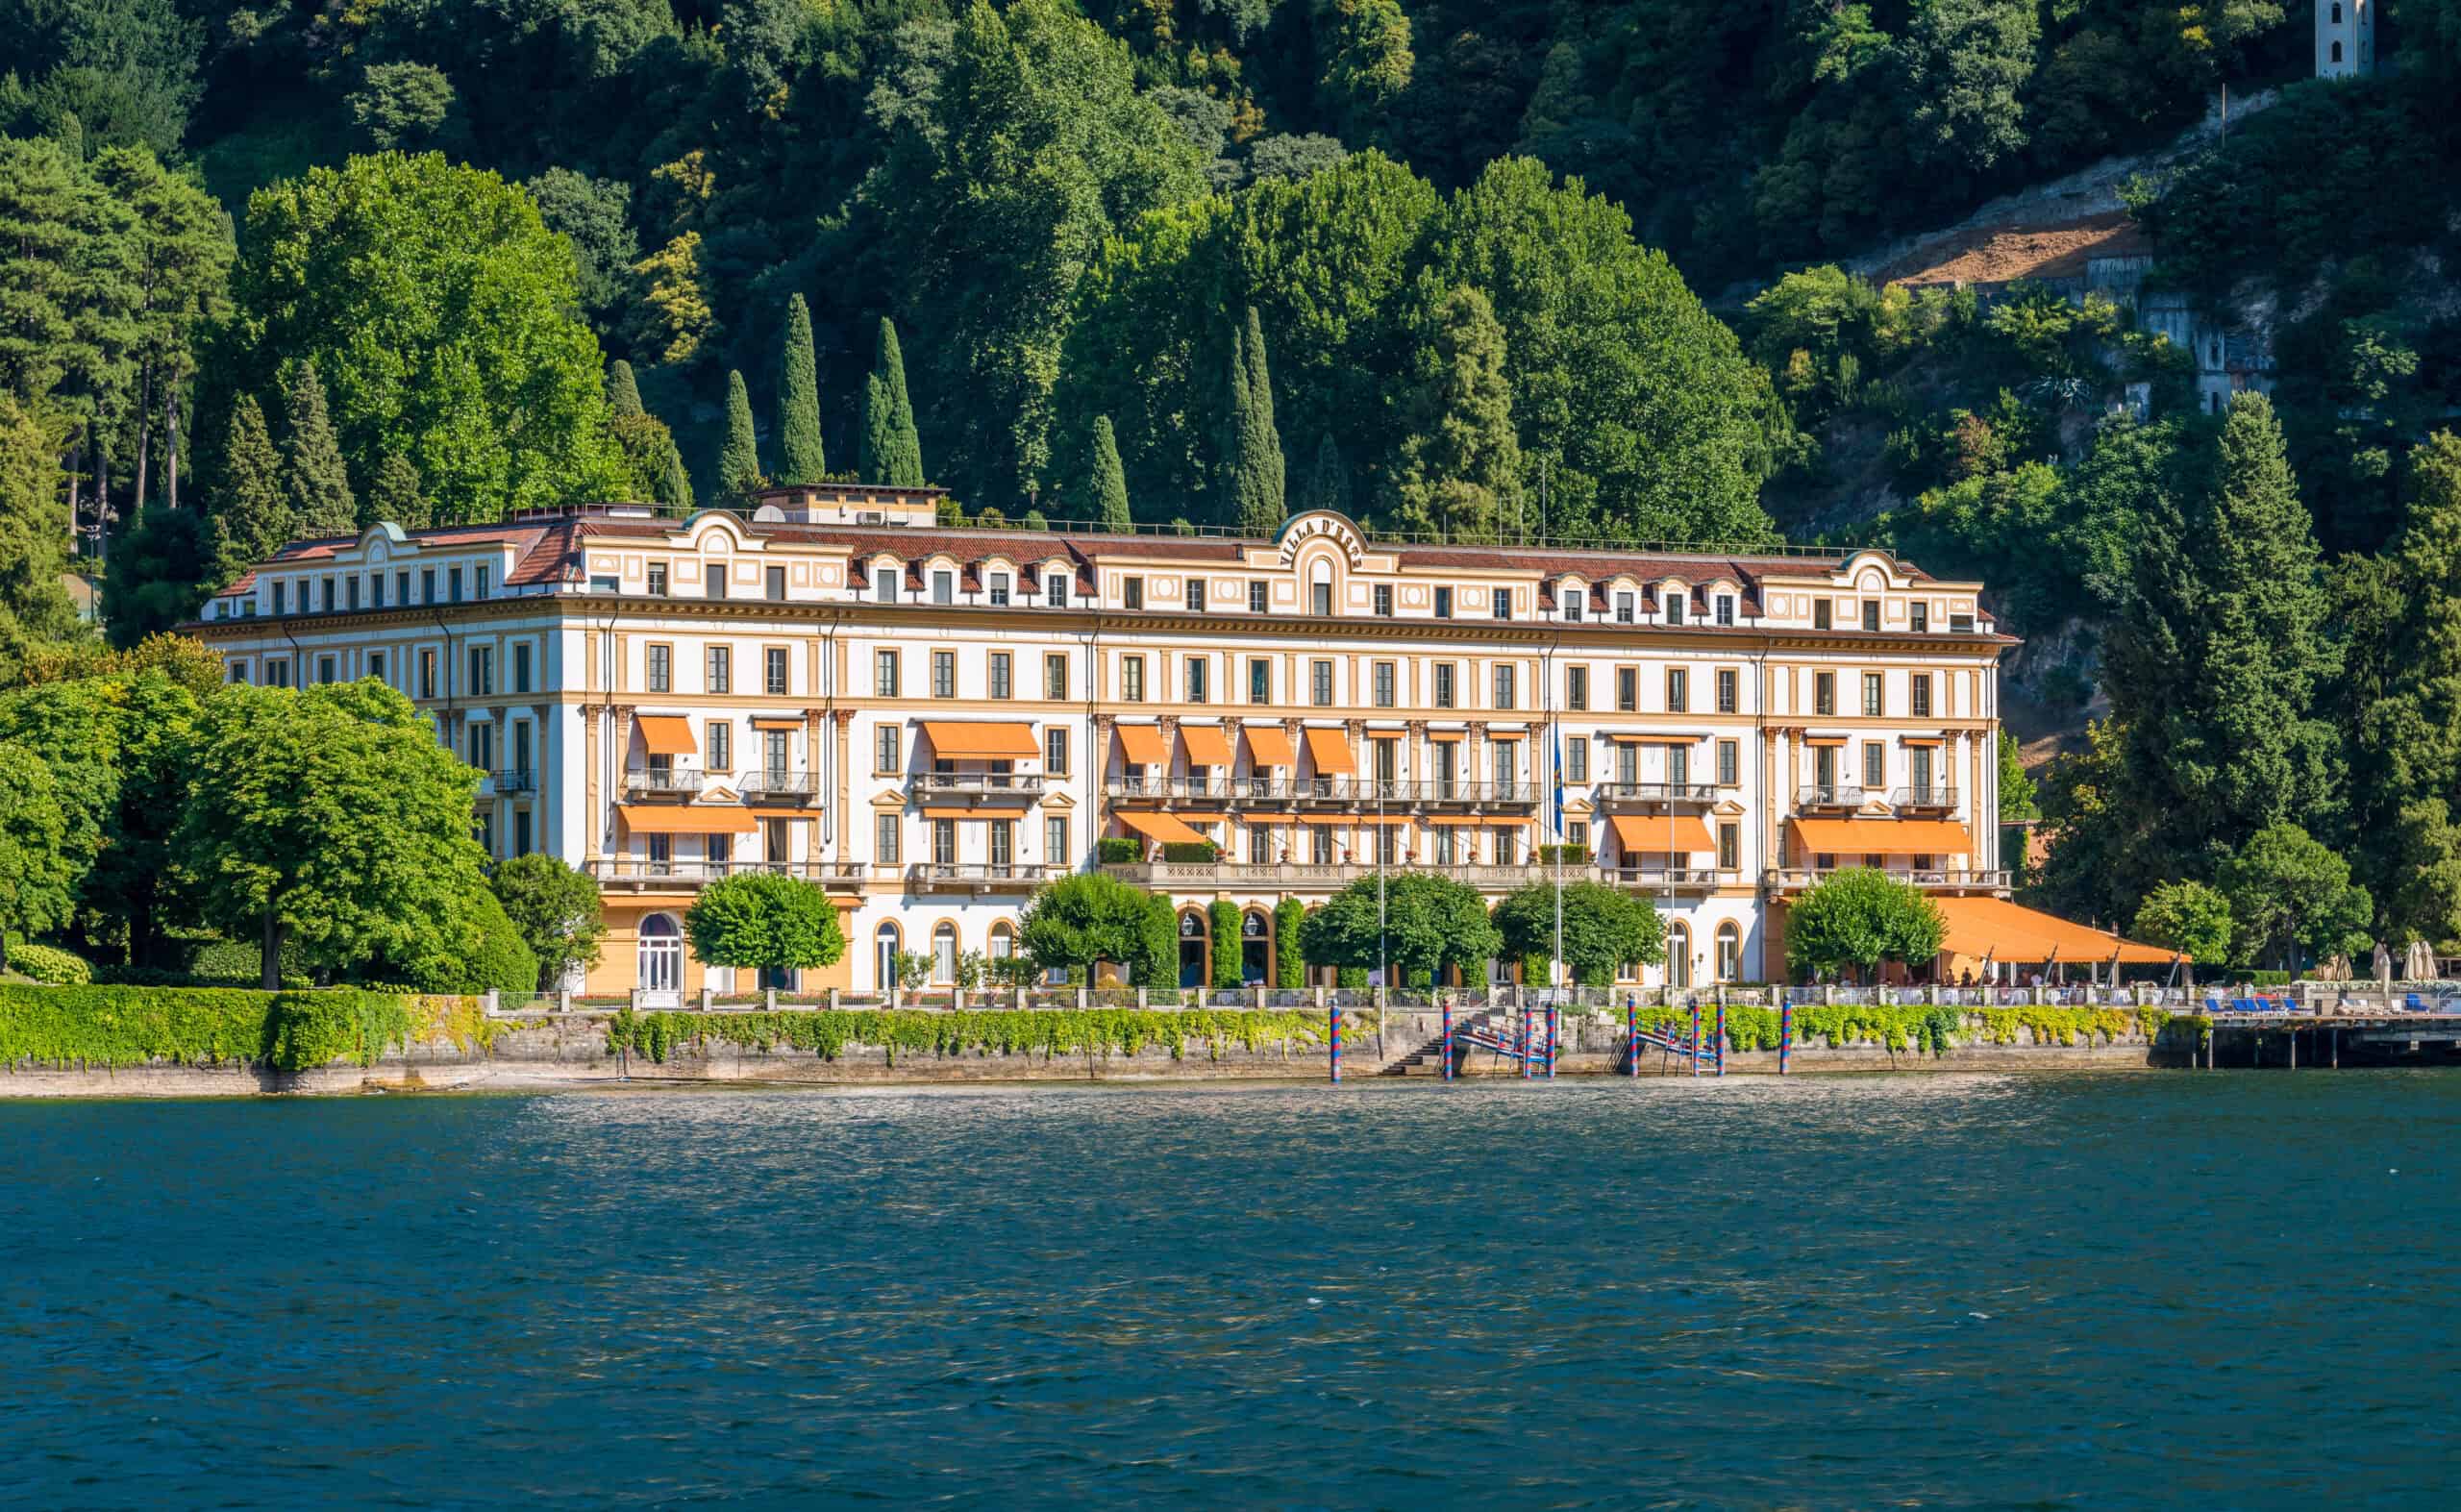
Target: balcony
point(1306, 876)
point(1795, 879)
point(638, 873)
point(513, 781)
point(1364, 792)
point(1828, 794)
point(1663, 879)
point(1923, 799)
point(1201, 790)
point(972, 876)
point(664, 781)
point(1676, 794)
point(778, 785)
point(980, 787)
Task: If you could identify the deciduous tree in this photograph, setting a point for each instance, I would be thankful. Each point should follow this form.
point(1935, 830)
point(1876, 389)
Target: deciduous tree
point(2189, 917)
point(766, 922)
point(1860, 918)
point(1603, 928)
point(2288, 892)
point(1427, 924)
point(37, 877)
point(557, 911)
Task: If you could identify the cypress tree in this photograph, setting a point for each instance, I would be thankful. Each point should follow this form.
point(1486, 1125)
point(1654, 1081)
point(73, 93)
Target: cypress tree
point(674, 484)
point(251, 516)
point(877, 444)
point(800, 457)
point(1327, 485)
point(1253, 448)
point(2409, 788)
point(902, 465)
point(394, 495)
point(1269, 460)
point(623, 395)
point(1111, 480)
point(740, 459)
point(314, 476)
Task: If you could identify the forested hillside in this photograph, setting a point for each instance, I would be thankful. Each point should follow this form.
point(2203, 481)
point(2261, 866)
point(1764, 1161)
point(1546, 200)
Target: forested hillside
point(295, 267)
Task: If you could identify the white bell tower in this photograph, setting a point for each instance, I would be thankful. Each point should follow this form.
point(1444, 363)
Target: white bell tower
point(2345, 38)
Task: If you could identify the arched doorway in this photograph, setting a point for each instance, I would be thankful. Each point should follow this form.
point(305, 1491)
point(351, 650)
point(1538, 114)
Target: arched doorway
point(659, 962)
point(1679, 955)
point(884, 948)
point(944, 954)
point(1196, 948)
point(1255, 946)
point(1729, 952)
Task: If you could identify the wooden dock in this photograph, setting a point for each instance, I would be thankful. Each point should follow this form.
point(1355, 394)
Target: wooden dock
point(2328, 1036)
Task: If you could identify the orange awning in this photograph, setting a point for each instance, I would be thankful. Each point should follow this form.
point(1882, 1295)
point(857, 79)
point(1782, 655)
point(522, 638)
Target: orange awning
point(685, 819)
point(1206, 745)
point(2003, 930)
point(951, 813)
point(1511, 821)
point(1680, 833)
point(776, 724)
point(666, 734)
point(1445, 737)
point(1883, 837)
point(1269, 747)
point(960, 739)
point(1919, 740)
point(1504, 736)
point(1144, 745)
point(1825, 740)
point(1159, 826)
point(783, 813)
point(1331, 752)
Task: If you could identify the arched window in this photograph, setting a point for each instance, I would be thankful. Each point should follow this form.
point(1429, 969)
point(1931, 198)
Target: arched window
point(1729, 951)
point(2337, 52)
point(944, 954)
point(1320, 587)
point(884, 948)
point(659, 956)
point(1678, 955)
point(1003, 941)
point(2337, 12)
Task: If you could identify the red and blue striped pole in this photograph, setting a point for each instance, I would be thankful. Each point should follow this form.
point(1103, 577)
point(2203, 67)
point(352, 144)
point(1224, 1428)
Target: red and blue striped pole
point(1696, 1039)
point(1550, 1042)
point(1333, 1017)
point(1785, 1031)
point(1632, 1033)
point(1448, 1037)
point(1528, 1034)
point(1722, 1037)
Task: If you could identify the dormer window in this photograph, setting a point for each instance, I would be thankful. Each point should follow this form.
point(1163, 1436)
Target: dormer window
point(1054, 589)
point(1569, 596)
point(1725, 608)
point(883, 582)
point(1625, 602)
point(1674, 608)
point(999, 590)
point(944, 587)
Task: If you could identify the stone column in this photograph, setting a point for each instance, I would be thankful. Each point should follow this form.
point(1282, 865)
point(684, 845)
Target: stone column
point(844, 736)
point(589, 780)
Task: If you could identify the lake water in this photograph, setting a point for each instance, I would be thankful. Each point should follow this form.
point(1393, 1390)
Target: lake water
point(2191, 1289)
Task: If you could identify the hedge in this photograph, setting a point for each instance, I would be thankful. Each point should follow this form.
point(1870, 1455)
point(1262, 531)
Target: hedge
point(220, 1025)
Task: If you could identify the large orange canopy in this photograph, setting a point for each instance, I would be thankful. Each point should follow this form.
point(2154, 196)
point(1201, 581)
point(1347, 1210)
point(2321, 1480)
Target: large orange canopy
point(1882, 836)
point(2003, 930)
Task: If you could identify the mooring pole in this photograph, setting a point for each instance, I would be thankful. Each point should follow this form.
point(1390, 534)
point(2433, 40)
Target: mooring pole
point(1551, 1041)
point(1448, 1037)
point(2337, 1047)
point(1334, 1018)
point(2293, 1047)
point(1632, 1033)
point(1785, 1031)
point(1696, 1039)
point(1722, 1033)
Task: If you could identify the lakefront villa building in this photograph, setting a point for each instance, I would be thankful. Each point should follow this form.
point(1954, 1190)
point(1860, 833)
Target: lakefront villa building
point(928, 721)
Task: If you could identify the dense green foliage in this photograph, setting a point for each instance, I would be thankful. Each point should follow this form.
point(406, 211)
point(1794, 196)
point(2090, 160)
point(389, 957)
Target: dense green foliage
point(2189, 917)
point(210, 1026)
point(1859, 918)
point(1603, 928)
point(556, 910)
point(1079, 921)
point(1050, 1032)
point(766, 921)
point(1418, 923)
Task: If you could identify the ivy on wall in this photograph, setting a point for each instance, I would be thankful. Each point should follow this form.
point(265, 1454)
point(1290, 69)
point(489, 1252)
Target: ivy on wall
point(1065, 1031)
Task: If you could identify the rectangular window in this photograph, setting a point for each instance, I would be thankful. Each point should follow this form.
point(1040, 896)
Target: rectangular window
point(944, 674)
point(1918, 768)
point(1577, 761)
point(661, 669)
point(277, 674)
point(999, 590)
point(1054, 591)
point(482, 571)
point(402, 588)
point(1002, 665)
point(1131, 679)
point(1921, 705)
point(1132, 592)
point(1960, 624)
point(281, 598)
point(1824, 692)
point(1730, 847)
point(1383, 684)
point(483, 746)
point(944, 587)
point(1675, 608)
point(884, 674)
point(1385, 601)
point(1259, 679)
point(521, 667)
point(1874, 765)
point(1193, 595)
point(885, 840)
point(1055, 841)
point(1444, 603)
point(330, 605)
point(1055, 750)
point(1572, 602)
point(1820, 614)
point(773, 581)
point(944, 842)
point(776, 746)
point(1055, 675)
point(483, 671)
point(1320, 598)
point(884, 759)
point(1627, 690)
point(1872, 704)
point(1257, 602)
point(453, 581)
point(1871, 615)
point(1577, 687)
point(1918, 616)
point(324, 669)
point(376, 664)
point(1678, 691)
point(773, 671)
point(1320, 680)
point(350, 586)
point(721, 670)
point(1192, 673)
point(1729, 753)
point(1725, 608)
point(1508, 689)
point(1727, 690)
point(427, 585)
point(427, 674)
point(1624, 606)
point(658, 579)
point(1500, 604)
point(884, 584)
point(719, 737)
point(1678, 765)
point(713, 580)
point(1444, 695)
point(521, 832)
